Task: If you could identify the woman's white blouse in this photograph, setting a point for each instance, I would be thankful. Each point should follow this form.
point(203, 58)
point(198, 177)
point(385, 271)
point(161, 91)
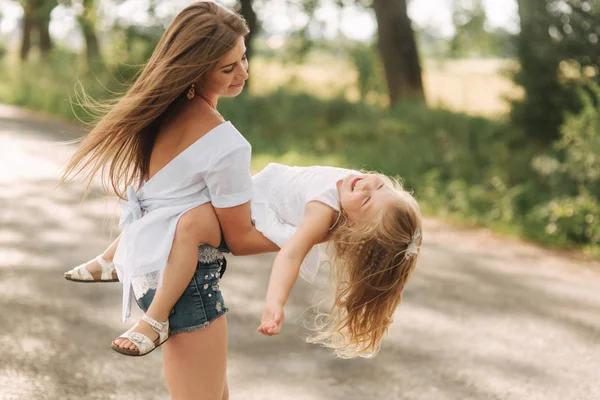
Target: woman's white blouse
point(214, 169)
point(279, 200)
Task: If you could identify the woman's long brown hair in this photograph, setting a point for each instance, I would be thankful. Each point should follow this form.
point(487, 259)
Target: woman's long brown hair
point(119, 145)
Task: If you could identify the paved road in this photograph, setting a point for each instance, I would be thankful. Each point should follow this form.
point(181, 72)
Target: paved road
point(485, 317)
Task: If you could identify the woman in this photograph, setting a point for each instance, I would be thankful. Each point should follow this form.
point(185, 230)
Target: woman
point(166, 138)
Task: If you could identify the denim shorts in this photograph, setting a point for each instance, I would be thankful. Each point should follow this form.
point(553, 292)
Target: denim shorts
point(202, 301)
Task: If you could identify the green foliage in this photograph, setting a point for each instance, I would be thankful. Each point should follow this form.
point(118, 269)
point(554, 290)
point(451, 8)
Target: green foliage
point(567, 220)
point(461, 167)
point(572, 166)
point(558, 51)
point(580, 144)
point(454, 163)
point(469, 21)
point(471, 37)
point(52, 85)
point(571, 174)
point(368, 69)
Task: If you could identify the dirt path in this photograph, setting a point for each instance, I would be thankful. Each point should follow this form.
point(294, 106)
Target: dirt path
point(485, 317)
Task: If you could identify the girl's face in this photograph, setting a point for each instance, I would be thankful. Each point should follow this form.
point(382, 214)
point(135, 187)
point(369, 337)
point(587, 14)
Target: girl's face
point(229, 75)
point(363, 197)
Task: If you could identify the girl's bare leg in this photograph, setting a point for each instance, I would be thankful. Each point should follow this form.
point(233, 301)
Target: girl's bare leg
point(195, 227)
point(109, 253)
point(195, 363)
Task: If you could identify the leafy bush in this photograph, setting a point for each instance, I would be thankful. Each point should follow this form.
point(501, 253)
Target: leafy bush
point(572, 173)
point(368, 69)
point(567, 220)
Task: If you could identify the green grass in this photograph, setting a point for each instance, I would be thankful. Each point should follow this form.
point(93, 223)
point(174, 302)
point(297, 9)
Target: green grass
point(463, 168)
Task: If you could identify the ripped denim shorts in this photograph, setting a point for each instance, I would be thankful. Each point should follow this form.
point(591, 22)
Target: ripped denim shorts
point(201, 302)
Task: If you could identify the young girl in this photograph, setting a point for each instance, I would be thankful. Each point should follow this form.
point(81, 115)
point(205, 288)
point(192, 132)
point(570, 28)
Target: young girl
point(375, 228)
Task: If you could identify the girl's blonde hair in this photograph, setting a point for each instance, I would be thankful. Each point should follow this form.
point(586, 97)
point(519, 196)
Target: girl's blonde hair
point(120, 144)
point(370, 267)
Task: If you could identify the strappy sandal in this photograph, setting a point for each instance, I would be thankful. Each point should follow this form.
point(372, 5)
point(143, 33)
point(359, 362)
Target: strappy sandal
point(80, 273)
point(143, 343)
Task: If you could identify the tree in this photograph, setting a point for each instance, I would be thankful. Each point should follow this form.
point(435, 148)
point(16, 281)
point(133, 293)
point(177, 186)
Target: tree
point(558, 53)
point(87, 22)
point(36, 21)
point(396, 42)
point(398, 51)
point(245, 8)
point(470, 35)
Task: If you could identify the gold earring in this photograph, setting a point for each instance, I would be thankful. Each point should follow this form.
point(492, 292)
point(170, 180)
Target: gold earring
point(192, 92)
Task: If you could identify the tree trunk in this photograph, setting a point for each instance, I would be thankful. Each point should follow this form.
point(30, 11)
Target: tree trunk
point(44, 31)
point(396, 41)
point(92, 48)
point(250, 16)
point(36, 19)
point(245, 8)
point(87, 23)
point(541, 110)
point(27, 28)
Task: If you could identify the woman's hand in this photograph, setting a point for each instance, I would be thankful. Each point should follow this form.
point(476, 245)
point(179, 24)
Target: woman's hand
point(272, 319)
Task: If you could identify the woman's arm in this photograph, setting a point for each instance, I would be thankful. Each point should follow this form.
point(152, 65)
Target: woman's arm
point(313, 230)
point(241, 236)
point(230, 186)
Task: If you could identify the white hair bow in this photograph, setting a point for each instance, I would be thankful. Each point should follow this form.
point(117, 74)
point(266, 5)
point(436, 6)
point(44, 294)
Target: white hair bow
point(412, 248)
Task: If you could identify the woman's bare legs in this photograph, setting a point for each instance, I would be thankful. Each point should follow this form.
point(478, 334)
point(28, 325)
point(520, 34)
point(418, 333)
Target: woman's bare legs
point(195, 227)
point(195, 363)
point(225, 395)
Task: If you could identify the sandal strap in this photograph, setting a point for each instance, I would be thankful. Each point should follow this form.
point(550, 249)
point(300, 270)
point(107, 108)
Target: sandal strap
point(143, 343)
point(159, 327)
point(81, 273)
point(107, 268)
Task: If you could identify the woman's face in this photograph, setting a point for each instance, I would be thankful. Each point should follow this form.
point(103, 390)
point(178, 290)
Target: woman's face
point(230, 73)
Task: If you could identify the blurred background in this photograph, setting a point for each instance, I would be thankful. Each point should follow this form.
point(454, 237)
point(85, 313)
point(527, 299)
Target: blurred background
point(487, 109)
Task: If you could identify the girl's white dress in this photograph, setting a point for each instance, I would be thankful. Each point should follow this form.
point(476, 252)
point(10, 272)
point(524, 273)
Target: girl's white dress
point(214, 169)
point(279, 199)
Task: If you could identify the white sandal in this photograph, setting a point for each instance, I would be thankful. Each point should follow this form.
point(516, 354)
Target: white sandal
point(143, 343)
point(81, 274)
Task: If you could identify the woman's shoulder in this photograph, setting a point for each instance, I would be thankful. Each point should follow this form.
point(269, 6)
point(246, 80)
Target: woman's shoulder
point(216, 136)
point(198, 125)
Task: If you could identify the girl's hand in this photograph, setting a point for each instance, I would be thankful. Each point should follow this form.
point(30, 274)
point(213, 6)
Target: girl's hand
point(272, 319)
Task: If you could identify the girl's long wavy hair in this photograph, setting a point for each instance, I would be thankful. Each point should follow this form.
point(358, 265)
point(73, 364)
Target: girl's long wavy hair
point(369, 269)
point(119, 145)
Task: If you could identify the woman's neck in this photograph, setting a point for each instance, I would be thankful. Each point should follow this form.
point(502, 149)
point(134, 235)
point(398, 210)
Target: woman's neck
point(199, 106)
point(210, 98)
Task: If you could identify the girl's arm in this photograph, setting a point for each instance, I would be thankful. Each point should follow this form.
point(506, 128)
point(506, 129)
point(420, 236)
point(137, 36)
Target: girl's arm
point(241, 236)
point(314, 228)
